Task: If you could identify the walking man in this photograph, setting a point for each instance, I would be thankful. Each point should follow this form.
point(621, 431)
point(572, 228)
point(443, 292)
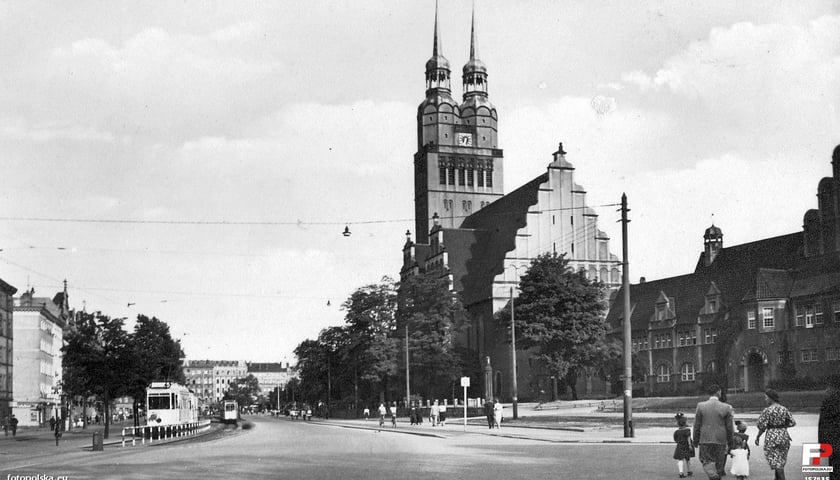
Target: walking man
point(14, 422)
point(713, 432)
point(488, 412)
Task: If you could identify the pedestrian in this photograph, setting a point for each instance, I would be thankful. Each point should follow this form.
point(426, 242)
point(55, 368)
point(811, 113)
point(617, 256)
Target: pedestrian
point(713, 430)
point(366, 413)
point(740, 452)
point(393, 414)
point(412, 415)
point(488, 412)
point(14, 423)
point(57, 431)
point(684, 450)
point(435, 413)
point(6, 425)
point(442, 415)
point(829, 423)
point(497, 413)
point(52, 423)
point(381, 414)
point(775, 420)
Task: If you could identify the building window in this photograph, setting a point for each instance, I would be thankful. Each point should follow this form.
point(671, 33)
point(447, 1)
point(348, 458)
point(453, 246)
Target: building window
point(800, 316)
point(470, 178)
point(442, 175)
point(687, 372)
point(490, 178)
point(462, 176)
point(751, 319)
point(480, 178)
point(710, 367)
point(767, 315)
point(832, 354)
point(818, 314)
point(809, 355)
point(809, 316)
point(836, 308)
point(710, 335)
point(663, 374)
point(450, 176)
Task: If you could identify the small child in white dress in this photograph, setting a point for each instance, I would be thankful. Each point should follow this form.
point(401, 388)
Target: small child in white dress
point(740, 452)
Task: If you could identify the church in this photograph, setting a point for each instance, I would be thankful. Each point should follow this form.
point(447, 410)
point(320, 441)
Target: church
point(468, 229)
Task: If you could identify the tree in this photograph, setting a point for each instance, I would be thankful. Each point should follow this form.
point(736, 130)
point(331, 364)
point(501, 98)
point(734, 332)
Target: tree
point(435, 318)
point(157, 357)
point(560, 313)
point(98, 360)
point(244, 390)
point(371, 324)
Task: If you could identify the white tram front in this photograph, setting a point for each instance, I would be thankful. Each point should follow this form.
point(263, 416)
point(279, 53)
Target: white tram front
point(170, 403)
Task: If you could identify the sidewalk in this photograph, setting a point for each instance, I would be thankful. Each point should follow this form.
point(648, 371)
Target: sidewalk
point(568, 424)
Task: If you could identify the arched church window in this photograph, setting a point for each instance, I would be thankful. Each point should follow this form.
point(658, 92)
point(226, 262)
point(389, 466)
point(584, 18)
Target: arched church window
point(470, 177)
point(490, 178)
point(480, 177)
point(462, 176)
point(442, 175)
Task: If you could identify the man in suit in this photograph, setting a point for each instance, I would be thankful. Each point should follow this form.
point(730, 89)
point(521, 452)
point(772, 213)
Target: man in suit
point(713, 432)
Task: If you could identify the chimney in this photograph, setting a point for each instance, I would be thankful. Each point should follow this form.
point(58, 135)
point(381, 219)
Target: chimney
point(642, 280)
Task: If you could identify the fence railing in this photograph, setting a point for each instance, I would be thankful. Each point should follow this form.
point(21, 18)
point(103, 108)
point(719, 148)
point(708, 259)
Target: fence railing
point(162, 432)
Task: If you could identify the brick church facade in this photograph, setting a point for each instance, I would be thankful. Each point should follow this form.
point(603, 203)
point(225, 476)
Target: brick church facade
point(468, 229)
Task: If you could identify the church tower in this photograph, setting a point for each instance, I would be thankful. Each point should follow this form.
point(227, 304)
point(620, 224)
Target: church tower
point(458, 165)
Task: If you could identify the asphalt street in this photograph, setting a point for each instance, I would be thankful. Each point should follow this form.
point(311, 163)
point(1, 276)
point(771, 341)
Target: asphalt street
point(280, 448)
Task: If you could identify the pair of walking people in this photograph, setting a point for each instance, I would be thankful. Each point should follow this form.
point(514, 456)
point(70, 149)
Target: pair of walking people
point(493, 412)
point(714, 434)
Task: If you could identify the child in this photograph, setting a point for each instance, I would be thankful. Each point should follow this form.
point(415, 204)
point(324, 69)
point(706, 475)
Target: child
point(740, 452)
point(684, 450)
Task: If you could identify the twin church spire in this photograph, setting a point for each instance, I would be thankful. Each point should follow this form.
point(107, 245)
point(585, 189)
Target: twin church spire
point(438, 74)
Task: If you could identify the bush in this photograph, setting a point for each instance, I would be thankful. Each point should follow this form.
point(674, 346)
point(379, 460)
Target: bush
point(797, 384)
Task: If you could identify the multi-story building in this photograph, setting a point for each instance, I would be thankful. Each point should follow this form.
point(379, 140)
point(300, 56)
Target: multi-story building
point(199, 377)
point(270, 375)
point(225, 373)
point(751, 314)
point(483, 240)
point(38, 336)
point(6, 343)
point(210, 379)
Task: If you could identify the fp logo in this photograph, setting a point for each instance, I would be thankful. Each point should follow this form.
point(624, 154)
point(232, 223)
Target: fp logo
point(812, 453)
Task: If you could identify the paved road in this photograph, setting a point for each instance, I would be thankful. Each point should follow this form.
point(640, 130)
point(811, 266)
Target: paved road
point(279, 448)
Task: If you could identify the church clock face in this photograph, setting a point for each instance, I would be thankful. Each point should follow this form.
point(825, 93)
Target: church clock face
point(465, 139)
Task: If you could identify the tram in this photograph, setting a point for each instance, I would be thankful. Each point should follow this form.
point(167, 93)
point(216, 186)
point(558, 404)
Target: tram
point(230, 411)
point(170, 403)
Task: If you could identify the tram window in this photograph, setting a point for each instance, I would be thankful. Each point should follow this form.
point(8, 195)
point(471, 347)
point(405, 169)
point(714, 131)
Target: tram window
point(158, 402)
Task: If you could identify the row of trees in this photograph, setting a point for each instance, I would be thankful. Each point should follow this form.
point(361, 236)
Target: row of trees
point(559, 320)
point(103, 360)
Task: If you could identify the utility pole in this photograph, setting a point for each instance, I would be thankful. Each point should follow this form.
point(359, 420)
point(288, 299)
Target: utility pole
point(625, 284)
point(407, 384)
point(513, 358)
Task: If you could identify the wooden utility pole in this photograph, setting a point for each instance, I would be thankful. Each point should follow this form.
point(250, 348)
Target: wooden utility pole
point(625, 284)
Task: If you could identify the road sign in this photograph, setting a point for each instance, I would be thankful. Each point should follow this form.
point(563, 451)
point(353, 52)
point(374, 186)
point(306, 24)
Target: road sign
point(465, 381)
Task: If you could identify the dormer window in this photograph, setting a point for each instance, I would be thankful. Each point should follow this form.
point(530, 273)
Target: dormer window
point(712, 299)
point(664, 307)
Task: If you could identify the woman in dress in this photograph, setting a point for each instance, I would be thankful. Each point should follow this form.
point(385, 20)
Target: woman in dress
point(775, 420)
point(497, 413)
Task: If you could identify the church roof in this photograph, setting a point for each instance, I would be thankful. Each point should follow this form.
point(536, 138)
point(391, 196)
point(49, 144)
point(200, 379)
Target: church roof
point(491, 233)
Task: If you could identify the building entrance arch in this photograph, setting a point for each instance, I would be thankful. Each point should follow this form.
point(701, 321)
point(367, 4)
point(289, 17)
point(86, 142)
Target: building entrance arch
point(754, 362)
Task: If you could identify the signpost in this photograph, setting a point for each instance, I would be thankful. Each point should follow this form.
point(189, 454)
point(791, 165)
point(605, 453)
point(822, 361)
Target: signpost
point(465, 382)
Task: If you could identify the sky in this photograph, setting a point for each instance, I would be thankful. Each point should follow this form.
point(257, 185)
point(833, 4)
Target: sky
point(197, 161)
